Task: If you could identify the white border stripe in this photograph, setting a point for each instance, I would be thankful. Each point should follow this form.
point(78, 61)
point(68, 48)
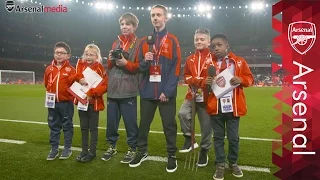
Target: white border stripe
point(259, 169)
point(155, 132)
point(12, 141)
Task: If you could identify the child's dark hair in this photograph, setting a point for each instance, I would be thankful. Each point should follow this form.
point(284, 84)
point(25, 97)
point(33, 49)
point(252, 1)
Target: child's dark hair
point(222, 36)
point(62, 45)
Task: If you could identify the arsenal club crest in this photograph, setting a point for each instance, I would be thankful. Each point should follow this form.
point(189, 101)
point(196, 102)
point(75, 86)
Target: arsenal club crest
point(68, 69)
point(10, 6)
point(302, 35)
point(221, 82)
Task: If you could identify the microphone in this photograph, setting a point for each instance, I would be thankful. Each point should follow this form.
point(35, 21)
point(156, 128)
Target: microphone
point(150, 41)
point(211, 72)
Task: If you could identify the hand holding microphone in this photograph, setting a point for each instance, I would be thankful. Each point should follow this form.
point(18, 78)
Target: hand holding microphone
point(209, 80)
point(150, 41)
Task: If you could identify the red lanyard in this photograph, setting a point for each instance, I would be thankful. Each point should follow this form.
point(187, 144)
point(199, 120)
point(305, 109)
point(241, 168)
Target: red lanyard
point(219, 66)
point(198, 72)
point(158, 52)
point(51, 81)
point(125, 44)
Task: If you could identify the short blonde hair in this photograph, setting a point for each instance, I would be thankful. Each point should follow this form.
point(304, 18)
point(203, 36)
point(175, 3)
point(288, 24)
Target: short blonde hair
point(203, 31)
point(95, 47)
point(164, 8)
point(129, 18)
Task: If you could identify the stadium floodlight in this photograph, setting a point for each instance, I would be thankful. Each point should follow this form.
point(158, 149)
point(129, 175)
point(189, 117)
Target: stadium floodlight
point(201, 7)
point(213, 7)
point(190, 8)
point(138, 8)
point(256, 6)
point(239, 7)
point(149, 8)
point(77, 1)
point(246, 6)
point(82, 2)
point(179, 15)
point(101, 5)
point(169, 15)
point(110, 6)
point(226, 7)
point(209, 16)
point(267, 5)
point(123, 7)
point(142, 8)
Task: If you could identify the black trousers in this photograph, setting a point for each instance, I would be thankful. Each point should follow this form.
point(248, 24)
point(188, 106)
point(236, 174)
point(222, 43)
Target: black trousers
point(168, 113)
point(89, 121)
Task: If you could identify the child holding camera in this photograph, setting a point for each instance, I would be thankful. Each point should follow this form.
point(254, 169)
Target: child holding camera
point(123, 87)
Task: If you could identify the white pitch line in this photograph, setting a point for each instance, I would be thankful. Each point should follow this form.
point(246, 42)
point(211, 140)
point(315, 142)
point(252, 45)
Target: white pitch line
point(150, 158)
point(164, 159)
point(12, 141)
point(154, 132)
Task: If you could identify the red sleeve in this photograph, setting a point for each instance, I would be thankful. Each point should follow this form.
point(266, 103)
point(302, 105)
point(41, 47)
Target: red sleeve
point(45, 78)
point(102, 87)
point(246, 75)
point(72, 75)
point(189, 77)
point(78, 72)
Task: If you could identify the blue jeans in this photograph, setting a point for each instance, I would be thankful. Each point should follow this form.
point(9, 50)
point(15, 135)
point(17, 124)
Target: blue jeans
point(225, 122)
point(59, 118)
point(127, 108)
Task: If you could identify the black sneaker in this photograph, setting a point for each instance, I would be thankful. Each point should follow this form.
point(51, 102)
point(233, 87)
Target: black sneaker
point(109, 153)
point(219, 174)
point(66, 153)
point(138, 159)
point(203, 158)
point(52, 154)
point(81, 155)
point(236, 171)
point(187, 145)
point(172, 165)
point(88, 158)
point(128, 157)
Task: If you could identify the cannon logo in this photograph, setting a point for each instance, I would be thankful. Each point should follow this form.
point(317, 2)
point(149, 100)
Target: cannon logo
point(302, 35)
point(221, 82)
point(10, 6)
